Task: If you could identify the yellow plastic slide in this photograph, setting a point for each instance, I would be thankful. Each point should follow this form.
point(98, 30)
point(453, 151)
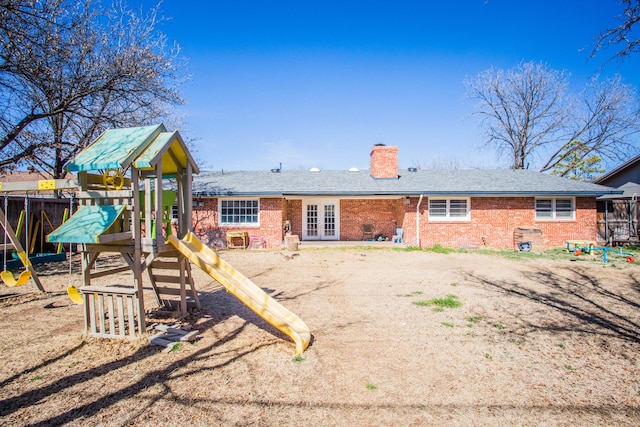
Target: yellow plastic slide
point(244, 289)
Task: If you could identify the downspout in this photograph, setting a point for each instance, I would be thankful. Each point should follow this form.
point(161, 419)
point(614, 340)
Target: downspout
point(606, 221)
point(632, 201)
point(418, 221)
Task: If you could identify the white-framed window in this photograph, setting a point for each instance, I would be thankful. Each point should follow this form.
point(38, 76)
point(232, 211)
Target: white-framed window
point(239, 212)
point(449, 209)
point(556, 208)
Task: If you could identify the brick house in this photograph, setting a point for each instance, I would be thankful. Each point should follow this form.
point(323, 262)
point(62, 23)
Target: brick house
point(454, 208)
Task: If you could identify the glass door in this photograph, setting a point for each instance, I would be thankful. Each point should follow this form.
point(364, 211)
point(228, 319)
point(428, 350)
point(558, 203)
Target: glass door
point(321, 220)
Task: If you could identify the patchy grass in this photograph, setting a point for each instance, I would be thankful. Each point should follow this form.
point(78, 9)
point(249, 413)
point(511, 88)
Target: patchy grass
point(411, 294)
point(447, 324)
point(299, 358)
point(439, 249)
point(450, 301)
point(331, 290)
point(474, 319)
point(552, 253)
point(520, 256)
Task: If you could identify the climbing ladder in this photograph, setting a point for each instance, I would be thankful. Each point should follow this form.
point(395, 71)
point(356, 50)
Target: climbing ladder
point(170, 276)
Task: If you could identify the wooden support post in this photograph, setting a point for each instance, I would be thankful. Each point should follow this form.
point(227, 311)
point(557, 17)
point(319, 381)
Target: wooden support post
point(157, 204)
point(19, 249)
point(181, 204)
point(192, 284)
point(188, 198)
point(183, 287)
point(137, 251)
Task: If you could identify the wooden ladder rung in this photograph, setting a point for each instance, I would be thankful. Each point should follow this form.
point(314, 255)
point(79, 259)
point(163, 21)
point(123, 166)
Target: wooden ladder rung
point(166, 279)
point(166, 265)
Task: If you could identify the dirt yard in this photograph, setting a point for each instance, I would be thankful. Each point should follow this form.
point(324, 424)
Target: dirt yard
point(534, 342)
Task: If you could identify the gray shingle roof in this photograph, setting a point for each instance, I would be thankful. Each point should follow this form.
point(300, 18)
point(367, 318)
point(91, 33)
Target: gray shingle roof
point(501, 182)
point(629, 190)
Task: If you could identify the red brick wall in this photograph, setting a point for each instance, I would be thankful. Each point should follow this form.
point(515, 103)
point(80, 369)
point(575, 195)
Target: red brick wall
point(294, 215)
point(384, 215)
point(206, 226)
point(271, 221)
point(204, 217)
point(494, 219)
point(384, 162)
point(583, 228)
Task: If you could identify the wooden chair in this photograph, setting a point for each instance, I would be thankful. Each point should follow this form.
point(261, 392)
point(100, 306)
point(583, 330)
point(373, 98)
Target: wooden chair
point(367, 231)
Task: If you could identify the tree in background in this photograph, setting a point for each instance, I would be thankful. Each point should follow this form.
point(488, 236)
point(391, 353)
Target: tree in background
point(528, 115)
point(577, 166)
point(624, 37)
point(70, 70)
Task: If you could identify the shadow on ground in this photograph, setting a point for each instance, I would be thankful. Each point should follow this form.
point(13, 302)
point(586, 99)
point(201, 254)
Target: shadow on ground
point(219, 305)
point(583, 303)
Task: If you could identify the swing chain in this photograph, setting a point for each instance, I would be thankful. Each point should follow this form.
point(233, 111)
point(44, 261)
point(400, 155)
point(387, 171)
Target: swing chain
point(26, 230)
point(6, 206)
point(71, 200)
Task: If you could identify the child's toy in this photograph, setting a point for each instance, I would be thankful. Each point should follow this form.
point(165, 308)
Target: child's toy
point(590, 249)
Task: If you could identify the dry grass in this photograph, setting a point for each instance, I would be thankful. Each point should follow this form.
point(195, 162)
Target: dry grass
point(541, 342)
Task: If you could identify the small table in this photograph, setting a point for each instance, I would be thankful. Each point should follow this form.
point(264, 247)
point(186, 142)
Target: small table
point(234, 237)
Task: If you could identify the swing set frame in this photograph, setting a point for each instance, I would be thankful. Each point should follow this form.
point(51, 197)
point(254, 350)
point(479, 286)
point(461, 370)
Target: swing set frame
point(9, 233)
point(26, 187)
point(7, 276)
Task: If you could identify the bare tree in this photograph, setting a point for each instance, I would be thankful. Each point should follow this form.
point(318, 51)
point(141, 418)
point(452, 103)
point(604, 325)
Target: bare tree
point(522, 109)
point(74, 69)
point(439, 163)
point(528, 115)
point(624, 37)
point(604, 119)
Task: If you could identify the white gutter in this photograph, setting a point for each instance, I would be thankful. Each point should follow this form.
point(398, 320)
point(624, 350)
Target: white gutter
point(418, 220)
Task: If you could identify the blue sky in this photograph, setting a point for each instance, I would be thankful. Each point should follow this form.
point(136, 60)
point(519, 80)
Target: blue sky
point(317, 84)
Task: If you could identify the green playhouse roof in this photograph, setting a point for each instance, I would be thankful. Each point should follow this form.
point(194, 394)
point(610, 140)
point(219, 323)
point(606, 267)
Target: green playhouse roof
point(143, 147)
point(87, 225)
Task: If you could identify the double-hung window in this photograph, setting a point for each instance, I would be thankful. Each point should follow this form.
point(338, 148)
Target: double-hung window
point(449, 209)
point(556, 209)
point(240, 212)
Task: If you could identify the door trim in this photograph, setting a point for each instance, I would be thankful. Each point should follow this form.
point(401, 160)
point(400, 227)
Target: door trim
point(321, 202)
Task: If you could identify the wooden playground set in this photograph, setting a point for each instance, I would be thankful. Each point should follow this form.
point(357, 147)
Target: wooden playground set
point(133, 189)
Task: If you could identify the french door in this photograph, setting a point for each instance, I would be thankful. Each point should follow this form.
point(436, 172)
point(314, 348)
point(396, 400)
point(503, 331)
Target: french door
point(321, 219)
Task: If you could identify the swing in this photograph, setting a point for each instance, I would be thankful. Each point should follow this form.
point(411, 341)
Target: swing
point(75, 295)
point(7, 276)
point(72, 291)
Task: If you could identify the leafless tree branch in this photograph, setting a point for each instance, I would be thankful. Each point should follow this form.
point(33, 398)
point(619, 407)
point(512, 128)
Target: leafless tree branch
point(69, 70)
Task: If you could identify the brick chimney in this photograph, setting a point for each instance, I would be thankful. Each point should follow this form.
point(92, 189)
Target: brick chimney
point(384, 162)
